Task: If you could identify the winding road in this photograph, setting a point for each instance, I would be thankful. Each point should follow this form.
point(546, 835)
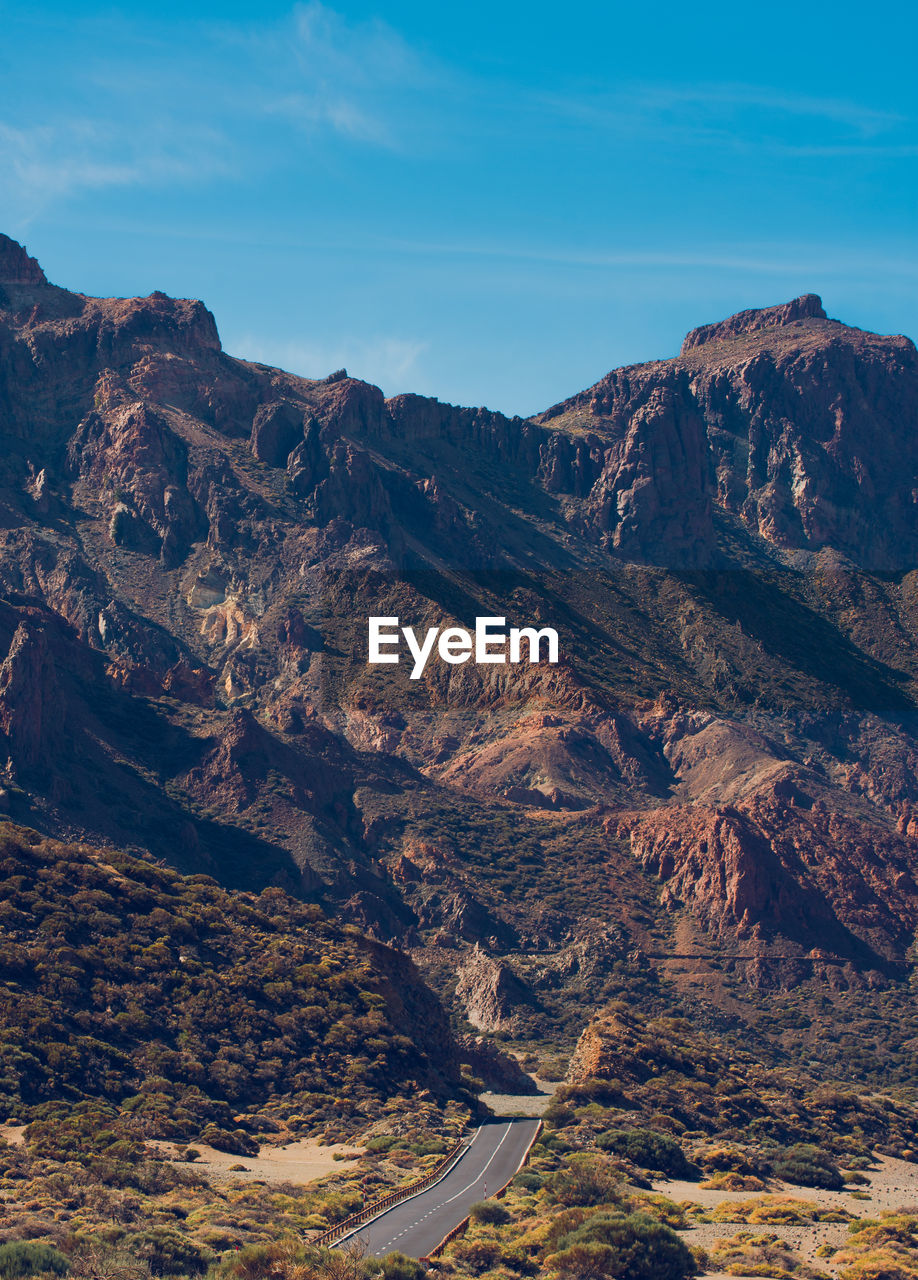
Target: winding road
point(416, 1226)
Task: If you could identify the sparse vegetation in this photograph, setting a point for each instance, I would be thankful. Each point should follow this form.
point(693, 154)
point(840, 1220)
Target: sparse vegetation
point(750, 1253)
point(184, 1003)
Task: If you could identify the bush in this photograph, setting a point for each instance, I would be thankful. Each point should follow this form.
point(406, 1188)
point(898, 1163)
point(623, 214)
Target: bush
point(24, 1258)
point(253, 1262)
point(586, 1180)
point(648, 1150)
point(750, 1254)
point(167, 1252)
point(477, 1255)
point(557, 1115)
point(633, 1247)
point(489, 1211)
point(528, 1180)
point(384, 1142)
point(733, 1182)
point(395, 1266)
point(234, 1141)
point(429, 1147)
point(116, 1262)
point(726, 1159)
point(807, 1166)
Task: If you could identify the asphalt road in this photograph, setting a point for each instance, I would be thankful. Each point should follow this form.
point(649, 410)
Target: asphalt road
point(418, 1225)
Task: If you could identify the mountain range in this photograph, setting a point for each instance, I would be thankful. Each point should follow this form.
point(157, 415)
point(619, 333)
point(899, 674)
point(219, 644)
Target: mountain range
point(709, 804)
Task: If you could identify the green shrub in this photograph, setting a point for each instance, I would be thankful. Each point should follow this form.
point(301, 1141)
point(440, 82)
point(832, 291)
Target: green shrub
point(384, 1142)
point(394, 1266)
point(429, 1147)
point(648, 1150)
point(477, 1255)
point(25, 1258)
point(234, 1141)
point(253, 1262)
point(807, 1166)
point(586, 1180)
point(528, 1180)
point(633, 1247)
point(167, 1252)
point(489, 1211)
point(557, 1115)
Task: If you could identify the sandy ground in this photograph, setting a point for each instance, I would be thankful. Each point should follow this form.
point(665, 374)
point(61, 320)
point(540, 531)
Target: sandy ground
point(893, 1185)
point(511, 1104)
point(297, 1162)
point(522, 1104)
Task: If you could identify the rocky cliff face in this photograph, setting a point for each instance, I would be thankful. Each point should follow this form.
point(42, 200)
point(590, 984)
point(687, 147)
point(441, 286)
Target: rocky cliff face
point(190, 546)
point(802, 426)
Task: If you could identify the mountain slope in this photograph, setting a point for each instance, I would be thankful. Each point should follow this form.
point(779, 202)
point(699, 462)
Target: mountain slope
point(722, 766)
point(125, 983)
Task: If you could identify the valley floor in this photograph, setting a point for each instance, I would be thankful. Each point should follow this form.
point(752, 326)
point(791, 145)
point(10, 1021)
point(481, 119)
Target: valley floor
point(893, 1186)
point(299, 1162)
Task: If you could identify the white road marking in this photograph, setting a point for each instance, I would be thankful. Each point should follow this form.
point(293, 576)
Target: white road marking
point(444, 1203)
point(481, 1174)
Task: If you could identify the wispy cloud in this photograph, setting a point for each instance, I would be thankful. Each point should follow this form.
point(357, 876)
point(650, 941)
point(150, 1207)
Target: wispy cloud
point(390, 362)
point(743, 116)
point(178, 104)
point(44, 163)
point(323, 109)
point(350, 78)
point(364, 55)
point(855, 116)
point(221, 101)
point(779, 258)
point(873, 151)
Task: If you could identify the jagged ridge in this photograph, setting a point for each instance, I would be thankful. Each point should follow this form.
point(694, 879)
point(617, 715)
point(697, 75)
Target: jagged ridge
point(189, 547)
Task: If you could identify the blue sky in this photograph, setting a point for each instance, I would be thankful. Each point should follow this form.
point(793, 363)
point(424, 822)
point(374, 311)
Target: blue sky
point(494, 204)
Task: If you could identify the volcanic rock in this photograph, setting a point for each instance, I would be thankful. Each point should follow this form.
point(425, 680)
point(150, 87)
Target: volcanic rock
point(732, 727)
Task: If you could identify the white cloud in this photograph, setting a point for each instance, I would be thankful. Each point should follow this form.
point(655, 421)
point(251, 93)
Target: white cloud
point(730, 115)
point(221, 99)
point(388, 362)
point(330, 74)
point(170, 105)
point(364, 54)
point(313, 112)
point(44, 163)
point(863, 120)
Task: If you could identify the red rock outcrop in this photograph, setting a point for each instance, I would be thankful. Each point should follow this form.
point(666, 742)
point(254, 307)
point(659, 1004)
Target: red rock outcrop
point(807, 307)
point(16, 267)
point(489, 992)
point(805, 427)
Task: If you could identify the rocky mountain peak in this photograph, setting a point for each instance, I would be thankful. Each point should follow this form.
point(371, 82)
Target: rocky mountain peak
point(16, 266)
point(807, 307)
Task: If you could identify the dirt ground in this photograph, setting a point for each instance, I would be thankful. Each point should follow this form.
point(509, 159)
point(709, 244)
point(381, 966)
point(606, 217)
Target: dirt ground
point(512, 1104)
point(893, 1185)
point(297, 1162)
point(522, 1104)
